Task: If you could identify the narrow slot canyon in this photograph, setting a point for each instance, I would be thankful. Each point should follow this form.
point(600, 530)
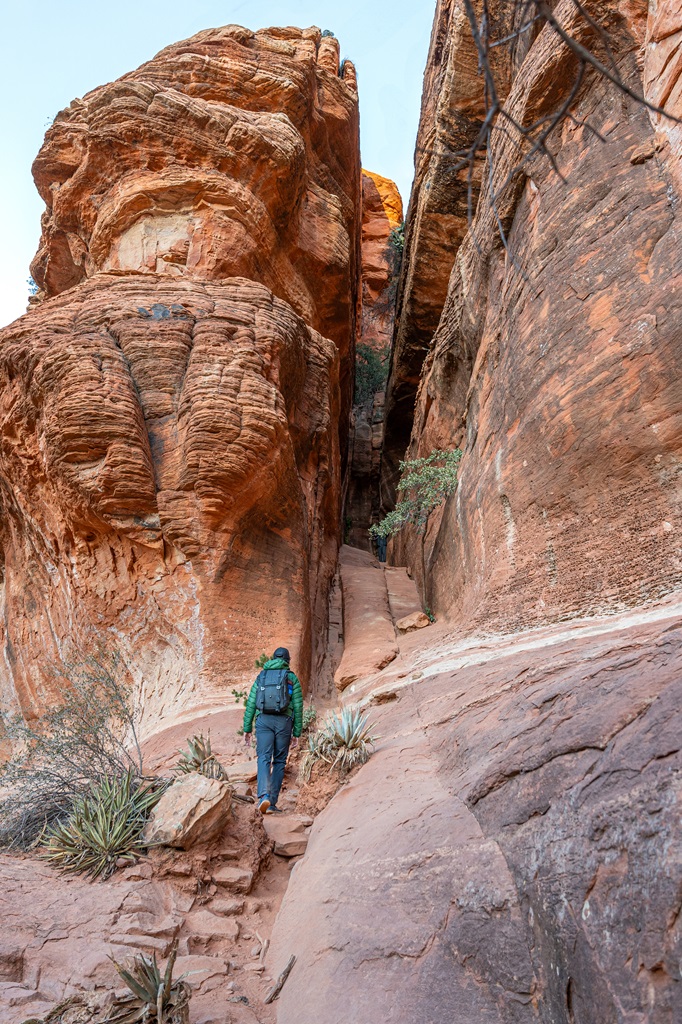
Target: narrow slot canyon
point(240, 340)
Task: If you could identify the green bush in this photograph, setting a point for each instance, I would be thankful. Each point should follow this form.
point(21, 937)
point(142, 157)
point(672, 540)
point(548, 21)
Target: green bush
point(424, 485)
point(155, 998)
point(102, 826)
point(200, 759)
point(371, 371)
point(343, 742)
point(89, 736)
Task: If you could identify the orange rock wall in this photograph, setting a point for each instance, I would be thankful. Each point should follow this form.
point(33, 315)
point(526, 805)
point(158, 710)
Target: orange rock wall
point(557, 367)
point(174, 412)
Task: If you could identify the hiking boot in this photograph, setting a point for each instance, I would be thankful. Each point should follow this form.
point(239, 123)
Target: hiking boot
point(275, 810)
point(264, 805)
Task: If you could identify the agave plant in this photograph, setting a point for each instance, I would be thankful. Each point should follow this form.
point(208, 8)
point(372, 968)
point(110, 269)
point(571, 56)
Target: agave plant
point(343, 742)
point(154, 997)
point(200, 759)
point(103, 825)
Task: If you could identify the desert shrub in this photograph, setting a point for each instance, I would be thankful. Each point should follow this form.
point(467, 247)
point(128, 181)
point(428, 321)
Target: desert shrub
point(260, 662)
point(89, 736)
point(343, 742)
point(396, 241)
point(152, 998)
point(309, 717)
point(424, 484)
point(103, 826)
point(199, 758)
point(155, 998)
point(371, 371)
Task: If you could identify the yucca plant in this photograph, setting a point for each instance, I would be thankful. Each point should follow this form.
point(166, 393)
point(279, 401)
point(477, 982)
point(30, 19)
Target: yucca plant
point(343, 742)
point(155, 998)
point(200, 759)
point(103, 825)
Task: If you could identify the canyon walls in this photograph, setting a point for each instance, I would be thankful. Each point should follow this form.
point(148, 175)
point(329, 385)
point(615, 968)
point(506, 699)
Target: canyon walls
point(556, 361)
point(174, 412)
point(381, 248)
point(510, 853)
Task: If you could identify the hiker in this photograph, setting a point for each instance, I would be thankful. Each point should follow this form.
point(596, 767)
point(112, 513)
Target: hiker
point(276, 702)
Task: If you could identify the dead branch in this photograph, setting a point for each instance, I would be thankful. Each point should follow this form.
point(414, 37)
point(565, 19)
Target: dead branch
point(279, 984)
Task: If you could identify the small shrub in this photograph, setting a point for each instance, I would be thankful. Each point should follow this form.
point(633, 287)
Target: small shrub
point(426, 483)
point(309, 717)
point(88, 737)
point(327, 34)
point(155, 998)
point(343, 743)
point(260, 663)
point(396, 239)
point(200, 759)
point(371, 371)
point(102, 826)
point(429, 614)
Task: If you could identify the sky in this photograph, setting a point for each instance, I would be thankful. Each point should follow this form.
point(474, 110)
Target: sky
point(54, 52)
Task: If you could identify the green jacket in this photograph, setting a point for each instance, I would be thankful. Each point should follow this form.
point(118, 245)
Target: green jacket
point(295, 709)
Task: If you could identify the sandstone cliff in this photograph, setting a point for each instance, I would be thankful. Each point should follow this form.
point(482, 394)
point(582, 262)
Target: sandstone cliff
point(174, 412)
point(511, 853)
point(556, 365)
point(382, 217)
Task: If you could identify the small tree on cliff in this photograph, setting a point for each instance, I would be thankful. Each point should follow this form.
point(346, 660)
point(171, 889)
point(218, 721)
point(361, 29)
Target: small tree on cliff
point(424, 485)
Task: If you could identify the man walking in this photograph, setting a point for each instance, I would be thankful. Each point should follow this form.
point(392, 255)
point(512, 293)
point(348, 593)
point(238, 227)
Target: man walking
point(276, 703)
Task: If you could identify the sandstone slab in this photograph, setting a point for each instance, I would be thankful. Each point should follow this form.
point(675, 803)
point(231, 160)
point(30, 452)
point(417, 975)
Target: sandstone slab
point(193, 810)
point(287, 833)
point(233, 878)
point(415, 620)
point(369, 636)
point(512, 846)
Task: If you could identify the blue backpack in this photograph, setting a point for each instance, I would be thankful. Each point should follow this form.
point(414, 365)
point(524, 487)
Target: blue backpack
point(274, 691)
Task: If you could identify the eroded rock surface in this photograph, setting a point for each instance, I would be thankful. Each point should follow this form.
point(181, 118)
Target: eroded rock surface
point(173, 414)
point(510, 853)
point(556, 368)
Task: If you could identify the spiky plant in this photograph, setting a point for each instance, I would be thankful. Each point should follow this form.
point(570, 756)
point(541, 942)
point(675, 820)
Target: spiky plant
point(343, 743)
point(155, 998)
point(103, 825)
point(200, 759)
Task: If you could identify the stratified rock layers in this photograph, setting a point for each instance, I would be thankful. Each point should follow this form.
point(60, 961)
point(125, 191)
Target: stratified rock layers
point(556, 366)
point(171, 418)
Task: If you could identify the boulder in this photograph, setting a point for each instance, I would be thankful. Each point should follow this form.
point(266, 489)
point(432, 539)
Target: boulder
point(415, 620)
point(194, 810)
point(288, 834)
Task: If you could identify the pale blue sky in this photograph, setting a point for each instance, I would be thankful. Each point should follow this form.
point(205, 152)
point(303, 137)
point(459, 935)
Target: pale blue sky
point(54, 51)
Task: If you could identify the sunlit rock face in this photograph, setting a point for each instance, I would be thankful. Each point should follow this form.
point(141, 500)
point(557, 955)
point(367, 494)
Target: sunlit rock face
point(171, 413)
point(556, 365)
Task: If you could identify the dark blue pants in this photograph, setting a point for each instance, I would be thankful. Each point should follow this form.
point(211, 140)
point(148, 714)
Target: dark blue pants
point(273, 736)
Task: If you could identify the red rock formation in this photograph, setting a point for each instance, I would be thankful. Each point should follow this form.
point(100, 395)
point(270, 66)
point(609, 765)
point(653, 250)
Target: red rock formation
point(171, 413)
point(382, 213)
point(557, 367)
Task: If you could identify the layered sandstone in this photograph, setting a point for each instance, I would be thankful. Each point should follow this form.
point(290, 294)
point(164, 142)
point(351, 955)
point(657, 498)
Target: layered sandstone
point(451, 114)
point(556, 366)
point(174, 412)
point(382, 217)
point(382, 213)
